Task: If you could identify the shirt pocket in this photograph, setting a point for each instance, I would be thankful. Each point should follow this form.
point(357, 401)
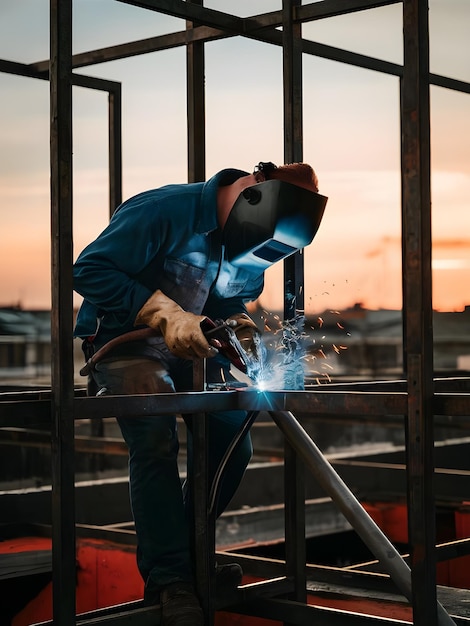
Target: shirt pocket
point(231, 282)
point(185, 284)
point(231, 289)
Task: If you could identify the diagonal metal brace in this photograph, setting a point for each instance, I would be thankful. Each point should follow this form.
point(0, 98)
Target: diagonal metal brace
point(350, 506)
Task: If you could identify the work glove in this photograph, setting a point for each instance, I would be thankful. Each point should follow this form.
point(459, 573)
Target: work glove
point(180, 329)
point(247, 334)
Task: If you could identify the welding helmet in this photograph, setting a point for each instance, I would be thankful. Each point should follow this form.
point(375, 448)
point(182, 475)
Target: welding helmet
point(270, 221)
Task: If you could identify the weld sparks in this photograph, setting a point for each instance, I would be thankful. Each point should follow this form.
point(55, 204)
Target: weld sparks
point(292, 354)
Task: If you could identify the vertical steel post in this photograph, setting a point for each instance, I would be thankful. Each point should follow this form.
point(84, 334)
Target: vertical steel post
point(195, 107)
point(115, 148)
point(294, 487)
point(417, 297)
point(204, 523)
point(63, 496)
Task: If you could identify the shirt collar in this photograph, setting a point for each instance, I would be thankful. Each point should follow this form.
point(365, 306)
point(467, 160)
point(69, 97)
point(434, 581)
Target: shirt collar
point(208, 220)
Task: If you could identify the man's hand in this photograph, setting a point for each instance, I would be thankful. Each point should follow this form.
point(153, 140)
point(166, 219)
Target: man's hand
point(181, 329)
point(247, 333)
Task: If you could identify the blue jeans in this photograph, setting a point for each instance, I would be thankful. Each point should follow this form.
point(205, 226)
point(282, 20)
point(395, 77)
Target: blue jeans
point(160, 509)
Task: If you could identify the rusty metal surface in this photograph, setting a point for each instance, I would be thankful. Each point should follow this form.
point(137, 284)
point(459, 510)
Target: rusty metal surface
point(417, 296)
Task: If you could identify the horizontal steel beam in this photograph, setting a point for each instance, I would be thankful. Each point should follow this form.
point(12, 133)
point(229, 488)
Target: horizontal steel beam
point(320, 403)
point(242, 25)
point(332, 8)
point(306, 13)
point(291, 612)
point(218, 25)
point(42, 73)
point(193, 13)
point(265, 524)
point(128, 614)
point(207, 33)
point(29, 438)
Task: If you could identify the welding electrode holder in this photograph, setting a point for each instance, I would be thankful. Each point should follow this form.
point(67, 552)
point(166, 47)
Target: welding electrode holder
point(222, 336)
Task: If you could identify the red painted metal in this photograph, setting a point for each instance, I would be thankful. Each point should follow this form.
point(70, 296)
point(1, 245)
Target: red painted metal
point(25, 544)
point(107, 573)
point(391, 518)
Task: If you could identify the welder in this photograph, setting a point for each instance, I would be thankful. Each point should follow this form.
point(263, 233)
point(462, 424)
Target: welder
point(170, 261)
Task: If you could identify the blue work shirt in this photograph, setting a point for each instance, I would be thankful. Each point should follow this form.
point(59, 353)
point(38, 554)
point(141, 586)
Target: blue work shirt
point(167, 239)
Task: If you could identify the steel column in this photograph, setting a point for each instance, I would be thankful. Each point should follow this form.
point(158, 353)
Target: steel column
point(417, 297)
point(204, 523)
point(293, 296)
point(195, 100)
point(62, 398)
point(293, 141)
point(115, 148)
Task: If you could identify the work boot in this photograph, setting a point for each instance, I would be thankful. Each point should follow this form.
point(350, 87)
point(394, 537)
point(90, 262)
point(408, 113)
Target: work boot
point(227, 577)
point(180, 606)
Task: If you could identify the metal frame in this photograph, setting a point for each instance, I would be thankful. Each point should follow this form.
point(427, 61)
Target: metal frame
point(418, 402)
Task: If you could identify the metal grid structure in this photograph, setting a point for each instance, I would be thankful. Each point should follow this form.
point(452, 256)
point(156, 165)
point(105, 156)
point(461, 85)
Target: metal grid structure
point(418, 403)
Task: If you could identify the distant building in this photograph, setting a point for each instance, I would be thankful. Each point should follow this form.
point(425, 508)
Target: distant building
point(25, 343)
point(369, 343)
point(356, 343)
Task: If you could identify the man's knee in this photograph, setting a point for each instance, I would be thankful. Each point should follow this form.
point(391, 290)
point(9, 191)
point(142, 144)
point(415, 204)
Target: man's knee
point(150, 437)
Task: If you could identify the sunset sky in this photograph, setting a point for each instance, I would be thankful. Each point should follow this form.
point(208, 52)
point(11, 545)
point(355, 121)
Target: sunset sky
point(351, 138)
